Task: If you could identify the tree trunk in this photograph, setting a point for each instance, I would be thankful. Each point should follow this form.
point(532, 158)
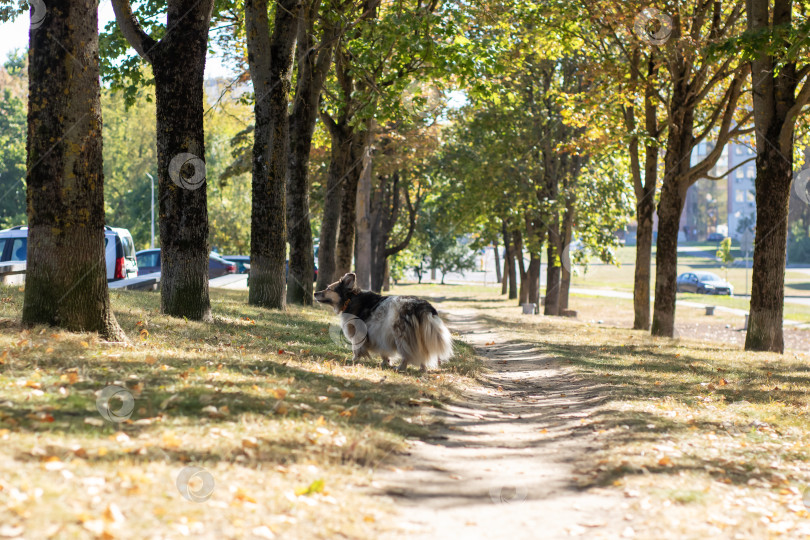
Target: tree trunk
point(776, 107)
point(348, 206)
point(645, 206)
point(178, 65)
point(673, 195)
point(341, 158)
point(523, 296)
point(363, 250)
point(565, 272)
point(497, 261)
point(513, 287)
point(313, 66)
point(66, 274)
point(533, 279)
point(666, 258)
point(387, 280)
point(774, 175)
point(553, 275)
point(270, 59)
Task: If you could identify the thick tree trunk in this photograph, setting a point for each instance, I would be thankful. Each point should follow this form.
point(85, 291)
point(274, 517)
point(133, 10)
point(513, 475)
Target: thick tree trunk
point(66, 274)
point(774, 175)
point(670, 206)
point(178, 65)
point(313, 66)
point(776, 106)
point(666, 258)
point(270, 59)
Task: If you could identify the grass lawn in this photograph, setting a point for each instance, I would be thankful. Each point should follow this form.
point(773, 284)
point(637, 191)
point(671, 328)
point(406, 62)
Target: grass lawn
point(702, 438)
point(264, 403)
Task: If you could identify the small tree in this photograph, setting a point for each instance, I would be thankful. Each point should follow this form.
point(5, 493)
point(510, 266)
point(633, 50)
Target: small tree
point(724, 254)
point(456, 258)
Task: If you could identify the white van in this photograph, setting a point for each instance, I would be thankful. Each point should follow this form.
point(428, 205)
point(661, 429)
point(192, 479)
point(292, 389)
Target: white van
point(119, 250)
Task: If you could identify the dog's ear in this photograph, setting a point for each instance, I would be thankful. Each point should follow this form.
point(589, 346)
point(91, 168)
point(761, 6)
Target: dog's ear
point(349, 280)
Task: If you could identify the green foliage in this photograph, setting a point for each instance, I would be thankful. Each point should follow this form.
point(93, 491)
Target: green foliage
point(13, 132)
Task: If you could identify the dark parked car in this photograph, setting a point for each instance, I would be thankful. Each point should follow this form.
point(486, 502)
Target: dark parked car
point(716, 237)
point(150, 259)
point(703, 283)
point(242, 262)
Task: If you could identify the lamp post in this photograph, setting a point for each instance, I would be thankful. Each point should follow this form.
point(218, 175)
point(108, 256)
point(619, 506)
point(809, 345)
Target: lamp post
point(152, 182)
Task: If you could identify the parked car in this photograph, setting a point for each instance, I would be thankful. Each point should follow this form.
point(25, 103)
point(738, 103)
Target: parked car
point(703, 283)
point(149, 262)
point(242, 262)
point(119, 250)
point(716, 237)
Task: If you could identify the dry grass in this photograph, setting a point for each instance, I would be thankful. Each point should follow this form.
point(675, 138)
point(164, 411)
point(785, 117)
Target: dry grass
point(264, 402)
point(703, 439)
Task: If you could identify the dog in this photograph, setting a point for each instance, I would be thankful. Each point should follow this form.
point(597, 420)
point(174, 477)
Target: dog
point(403, 326)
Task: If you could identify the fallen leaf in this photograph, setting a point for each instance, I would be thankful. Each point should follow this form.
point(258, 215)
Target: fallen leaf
point(278, 393)
point(150, 359)
point(314, 487)
point(250, 442)
point(347, 394)
point(665, 462)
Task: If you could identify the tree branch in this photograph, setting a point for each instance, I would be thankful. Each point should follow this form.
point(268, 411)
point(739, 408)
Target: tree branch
point(134, 34)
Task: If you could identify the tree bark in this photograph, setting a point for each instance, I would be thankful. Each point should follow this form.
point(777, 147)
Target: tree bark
point(66, 274)
point(270, 59)
point(363, 248)
point(565, 272)
point(178, 65)
point(645, 195)
point(523, 296)
point(497, 260)
point(690, 86)
point(533, 280)
point(384, 216)
point(343, 161)
point(348, 207)
point(645, 207)
point(776, 107)
point(313, 67)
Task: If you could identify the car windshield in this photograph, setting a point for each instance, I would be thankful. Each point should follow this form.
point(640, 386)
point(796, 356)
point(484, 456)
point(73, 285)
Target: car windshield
point(708, 276)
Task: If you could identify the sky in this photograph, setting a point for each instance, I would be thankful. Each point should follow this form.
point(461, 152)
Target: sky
point(14, 35)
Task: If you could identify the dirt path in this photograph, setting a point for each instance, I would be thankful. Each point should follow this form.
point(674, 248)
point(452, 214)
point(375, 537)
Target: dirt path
point(501, 463)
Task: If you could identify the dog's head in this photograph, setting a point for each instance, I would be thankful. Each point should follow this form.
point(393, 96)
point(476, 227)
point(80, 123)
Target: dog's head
point(337, 293)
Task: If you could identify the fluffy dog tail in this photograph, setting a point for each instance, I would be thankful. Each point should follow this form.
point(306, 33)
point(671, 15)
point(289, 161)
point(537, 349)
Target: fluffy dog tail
point(433, 340)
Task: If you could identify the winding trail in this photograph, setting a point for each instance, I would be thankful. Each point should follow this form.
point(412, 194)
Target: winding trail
point(500, 462)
